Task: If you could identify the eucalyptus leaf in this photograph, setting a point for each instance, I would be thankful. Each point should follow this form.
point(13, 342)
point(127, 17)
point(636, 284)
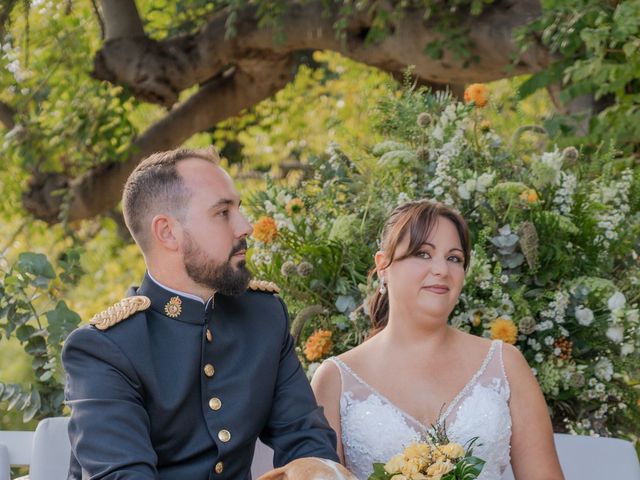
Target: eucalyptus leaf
point(35, 264)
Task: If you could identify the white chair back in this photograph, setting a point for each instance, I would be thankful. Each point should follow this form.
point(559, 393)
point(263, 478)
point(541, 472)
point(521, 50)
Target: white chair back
point(46, 451)
point(594, 458)
point(262, 460)
point(15, 450)
point(51, 452)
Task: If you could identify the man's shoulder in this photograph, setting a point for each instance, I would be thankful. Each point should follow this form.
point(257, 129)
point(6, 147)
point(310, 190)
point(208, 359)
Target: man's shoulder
point(122, 317)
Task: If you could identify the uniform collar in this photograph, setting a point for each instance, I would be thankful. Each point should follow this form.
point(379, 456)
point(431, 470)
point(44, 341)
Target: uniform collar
point(174, 304)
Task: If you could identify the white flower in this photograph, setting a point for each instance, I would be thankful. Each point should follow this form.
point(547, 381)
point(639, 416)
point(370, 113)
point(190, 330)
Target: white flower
point(548, 341)
point(627, 349)
point(604, 370)
point(632, 315)
point(616, 301)
point(539, 357)
point(616, 333)
point(484, 181)
point(584, 316)
point(464, 192)
point(504, 279)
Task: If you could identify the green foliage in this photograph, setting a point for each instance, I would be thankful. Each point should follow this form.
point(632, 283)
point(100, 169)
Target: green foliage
point(27, 291)
point(532, 215)
point(598, 43)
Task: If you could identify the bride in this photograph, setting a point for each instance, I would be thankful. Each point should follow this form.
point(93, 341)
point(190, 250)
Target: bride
point(415, 369)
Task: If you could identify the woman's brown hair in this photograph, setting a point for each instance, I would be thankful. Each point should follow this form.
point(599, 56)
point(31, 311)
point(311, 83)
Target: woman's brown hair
point(417, 219)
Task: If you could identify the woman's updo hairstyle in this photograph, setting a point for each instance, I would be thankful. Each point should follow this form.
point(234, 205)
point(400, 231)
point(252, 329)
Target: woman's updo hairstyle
point(417, 219)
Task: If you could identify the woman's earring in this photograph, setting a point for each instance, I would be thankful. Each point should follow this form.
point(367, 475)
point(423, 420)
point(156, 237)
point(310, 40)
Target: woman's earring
point(383, 289)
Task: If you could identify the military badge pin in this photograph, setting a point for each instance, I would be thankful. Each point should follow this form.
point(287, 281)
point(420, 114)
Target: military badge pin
point(173, 308)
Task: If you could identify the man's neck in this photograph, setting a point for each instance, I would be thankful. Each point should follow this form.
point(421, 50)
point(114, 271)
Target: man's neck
point(174, 284)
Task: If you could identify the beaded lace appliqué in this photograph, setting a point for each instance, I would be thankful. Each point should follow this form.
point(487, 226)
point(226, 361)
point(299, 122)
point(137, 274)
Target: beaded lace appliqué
point(374, 429)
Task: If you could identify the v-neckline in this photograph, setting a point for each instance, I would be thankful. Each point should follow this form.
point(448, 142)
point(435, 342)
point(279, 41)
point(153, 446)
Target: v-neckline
point(465, 388)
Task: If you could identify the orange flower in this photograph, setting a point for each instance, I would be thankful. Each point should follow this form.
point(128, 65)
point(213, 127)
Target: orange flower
point(318, 345)
point(477, 93)
point(294, 206)
point(529, 195)
point(504, 329)
point(265, 229)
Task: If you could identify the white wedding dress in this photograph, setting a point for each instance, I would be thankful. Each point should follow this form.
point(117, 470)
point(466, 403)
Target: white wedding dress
point(374, 429)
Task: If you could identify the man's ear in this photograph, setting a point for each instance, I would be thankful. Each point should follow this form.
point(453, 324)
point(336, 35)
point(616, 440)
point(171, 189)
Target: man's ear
point(166, 232)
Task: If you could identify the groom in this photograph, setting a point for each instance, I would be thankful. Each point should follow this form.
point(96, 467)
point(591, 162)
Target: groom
point(179, 379)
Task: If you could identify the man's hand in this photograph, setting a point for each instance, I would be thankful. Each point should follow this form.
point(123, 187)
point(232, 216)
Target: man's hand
point(309, 469)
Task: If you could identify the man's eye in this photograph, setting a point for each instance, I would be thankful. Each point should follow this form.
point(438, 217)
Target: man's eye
point(224, 213)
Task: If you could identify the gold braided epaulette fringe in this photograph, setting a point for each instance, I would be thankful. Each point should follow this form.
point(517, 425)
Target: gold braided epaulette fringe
point(264, 286)
point(120, 311)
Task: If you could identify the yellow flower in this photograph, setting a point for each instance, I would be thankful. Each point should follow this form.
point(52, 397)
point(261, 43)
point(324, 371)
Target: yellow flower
point(485, 125)
point(412, 467)
point(529, 195)
point(453, 450)
point(504, 329)
point(477, 93)
point(318, 345)
point(440, 468)
point(265, 229)
point(395, 464)
point(476, 320)
point(399, 477)
point(417, 450)
point(294, 206)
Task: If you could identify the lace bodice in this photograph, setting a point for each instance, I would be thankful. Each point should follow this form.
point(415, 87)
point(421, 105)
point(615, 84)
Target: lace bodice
point(374, 429)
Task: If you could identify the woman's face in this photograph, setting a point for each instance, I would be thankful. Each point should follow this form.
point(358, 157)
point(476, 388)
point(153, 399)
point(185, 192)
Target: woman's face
point(429, 282)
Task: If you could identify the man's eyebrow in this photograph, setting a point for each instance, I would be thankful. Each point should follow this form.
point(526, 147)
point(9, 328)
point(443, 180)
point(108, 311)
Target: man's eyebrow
point(224, 202)
point(450, 250)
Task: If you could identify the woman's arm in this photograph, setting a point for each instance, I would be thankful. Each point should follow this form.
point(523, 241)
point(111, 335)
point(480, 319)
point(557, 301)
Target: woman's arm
point(533, 453)
point(327, 387)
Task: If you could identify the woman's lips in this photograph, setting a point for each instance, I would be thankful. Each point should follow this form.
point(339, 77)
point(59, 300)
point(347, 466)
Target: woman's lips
point(438, 289)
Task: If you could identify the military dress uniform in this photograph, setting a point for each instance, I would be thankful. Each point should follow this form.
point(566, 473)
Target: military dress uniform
point(164, 386)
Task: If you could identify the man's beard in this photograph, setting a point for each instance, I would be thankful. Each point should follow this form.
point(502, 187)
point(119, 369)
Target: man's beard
point(224, 278)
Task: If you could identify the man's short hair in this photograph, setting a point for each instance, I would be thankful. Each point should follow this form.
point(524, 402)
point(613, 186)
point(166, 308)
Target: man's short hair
point(156, 187)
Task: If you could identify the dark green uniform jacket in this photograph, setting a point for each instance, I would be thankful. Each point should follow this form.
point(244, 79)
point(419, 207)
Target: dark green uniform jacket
point(182, 391)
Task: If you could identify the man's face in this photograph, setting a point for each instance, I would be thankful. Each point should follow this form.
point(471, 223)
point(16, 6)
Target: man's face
point(214, 230)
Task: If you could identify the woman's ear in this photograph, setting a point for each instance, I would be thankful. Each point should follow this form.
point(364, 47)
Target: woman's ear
point(381, 264)
point(166, 232)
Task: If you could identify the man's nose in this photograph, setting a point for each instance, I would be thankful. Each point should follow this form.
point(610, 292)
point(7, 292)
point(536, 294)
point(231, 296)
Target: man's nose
point(245, 228)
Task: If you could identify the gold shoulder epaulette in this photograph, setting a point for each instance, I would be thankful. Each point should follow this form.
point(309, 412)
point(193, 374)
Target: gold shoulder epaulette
point(120, 311)
point(264, 286)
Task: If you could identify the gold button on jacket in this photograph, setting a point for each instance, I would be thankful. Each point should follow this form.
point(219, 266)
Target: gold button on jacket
point(209, 335)
point(209, 370)
point(219, 467)
point(224, 435)
point(215, 403)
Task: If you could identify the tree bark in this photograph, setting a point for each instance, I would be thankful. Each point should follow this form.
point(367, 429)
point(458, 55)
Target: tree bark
point(101, 188)
point(236, 73)
point(7, 116)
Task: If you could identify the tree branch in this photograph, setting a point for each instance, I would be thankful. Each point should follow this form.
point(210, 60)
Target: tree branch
point(7, 116)
point(121, 19)
point(224, 96)
point(158, 71)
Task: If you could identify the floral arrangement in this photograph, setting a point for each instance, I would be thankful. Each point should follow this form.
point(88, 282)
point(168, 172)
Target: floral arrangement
point(555, 267)
point(437, 458)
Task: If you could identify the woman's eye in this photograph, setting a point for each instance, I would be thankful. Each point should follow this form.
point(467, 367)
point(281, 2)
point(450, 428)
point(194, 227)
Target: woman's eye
point(424, 255)
point(455, 259)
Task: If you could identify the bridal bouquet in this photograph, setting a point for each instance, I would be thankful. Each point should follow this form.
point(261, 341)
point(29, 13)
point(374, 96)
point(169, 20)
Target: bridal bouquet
point(434, 459)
